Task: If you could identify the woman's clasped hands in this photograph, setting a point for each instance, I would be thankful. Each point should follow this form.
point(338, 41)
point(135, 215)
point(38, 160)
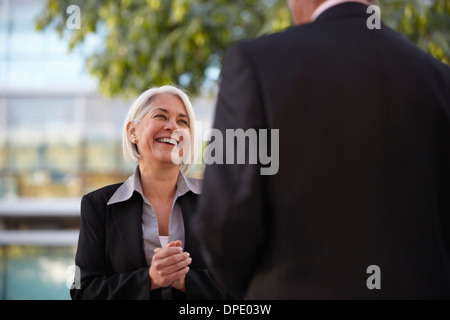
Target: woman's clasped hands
point(169, 267)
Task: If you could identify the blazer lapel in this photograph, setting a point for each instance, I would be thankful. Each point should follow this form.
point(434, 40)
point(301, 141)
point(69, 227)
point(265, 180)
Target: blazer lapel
point(188, 208)
point(127, 218)
point(187, 203)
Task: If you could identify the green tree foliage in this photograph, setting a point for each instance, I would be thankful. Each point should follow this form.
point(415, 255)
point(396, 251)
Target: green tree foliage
point(425, 22)
point(155, 42)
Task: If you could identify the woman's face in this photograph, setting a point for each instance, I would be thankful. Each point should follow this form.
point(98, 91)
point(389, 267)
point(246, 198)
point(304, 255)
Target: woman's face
point(155, 133)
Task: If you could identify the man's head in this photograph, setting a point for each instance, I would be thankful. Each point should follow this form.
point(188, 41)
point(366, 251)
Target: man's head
point(302, 10)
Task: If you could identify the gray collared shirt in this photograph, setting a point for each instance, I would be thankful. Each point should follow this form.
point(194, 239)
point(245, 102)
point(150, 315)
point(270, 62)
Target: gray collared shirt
point(149, 222)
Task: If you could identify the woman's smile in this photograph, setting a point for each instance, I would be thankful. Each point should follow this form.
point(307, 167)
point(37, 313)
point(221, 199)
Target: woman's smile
point(167, 141)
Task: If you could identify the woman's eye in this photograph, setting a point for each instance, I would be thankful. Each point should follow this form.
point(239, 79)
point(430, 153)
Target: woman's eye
point(160, 116)
point(184, 122)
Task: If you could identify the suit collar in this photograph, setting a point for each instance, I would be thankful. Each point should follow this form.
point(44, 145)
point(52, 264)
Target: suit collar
point(343, 10)
point(331, 3)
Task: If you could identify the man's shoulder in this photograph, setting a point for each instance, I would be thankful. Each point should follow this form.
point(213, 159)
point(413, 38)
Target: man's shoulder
point(399, 46)
point(274, 43)
point(270, 38)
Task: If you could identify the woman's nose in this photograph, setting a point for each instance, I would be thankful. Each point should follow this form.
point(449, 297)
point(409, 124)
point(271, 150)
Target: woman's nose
point(171, 125)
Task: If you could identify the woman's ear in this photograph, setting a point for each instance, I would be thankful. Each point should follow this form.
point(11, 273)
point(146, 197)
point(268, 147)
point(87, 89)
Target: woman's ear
point(131, 130)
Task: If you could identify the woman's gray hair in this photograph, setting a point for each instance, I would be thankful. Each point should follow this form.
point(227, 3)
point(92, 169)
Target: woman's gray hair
point(139, 109)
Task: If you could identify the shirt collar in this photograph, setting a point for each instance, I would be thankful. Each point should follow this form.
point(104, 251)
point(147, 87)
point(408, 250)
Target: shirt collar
point(331, 3)
point(133, 183)
point(185, 184)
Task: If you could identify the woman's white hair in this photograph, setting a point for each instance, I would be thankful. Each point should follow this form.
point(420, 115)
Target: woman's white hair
point(139, 109)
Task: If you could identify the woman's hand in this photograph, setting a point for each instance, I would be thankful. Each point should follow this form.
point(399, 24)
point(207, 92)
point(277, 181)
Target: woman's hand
point(169, 266)
point(180, 283)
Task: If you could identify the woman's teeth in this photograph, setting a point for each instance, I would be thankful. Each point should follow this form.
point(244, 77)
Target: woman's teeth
point(167, 140)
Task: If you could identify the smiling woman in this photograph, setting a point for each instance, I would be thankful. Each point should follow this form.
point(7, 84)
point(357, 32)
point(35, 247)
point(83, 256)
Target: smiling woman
point(160, 131)
point(141, 226)
point(159, 100)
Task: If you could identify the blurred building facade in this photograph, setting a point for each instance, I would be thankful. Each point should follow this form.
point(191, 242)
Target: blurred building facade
point(59, 140)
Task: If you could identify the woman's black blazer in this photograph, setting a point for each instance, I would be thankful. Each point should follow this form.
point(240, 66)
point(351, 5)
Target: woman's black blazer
point(110, 257)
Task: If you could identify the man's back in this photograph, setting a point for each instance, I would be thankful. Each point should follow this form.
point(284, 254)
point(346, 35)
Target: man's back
point(364, 172)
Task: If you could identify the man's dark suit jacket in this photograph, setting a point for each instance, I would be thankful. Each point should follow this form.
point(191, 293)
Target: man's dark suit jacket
point(364, 169)
point(111, 256)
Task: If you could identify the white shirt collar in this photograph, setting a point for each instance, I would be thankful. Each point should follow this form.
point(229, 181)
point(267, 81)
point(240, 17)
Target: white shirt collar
point(331, 3)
